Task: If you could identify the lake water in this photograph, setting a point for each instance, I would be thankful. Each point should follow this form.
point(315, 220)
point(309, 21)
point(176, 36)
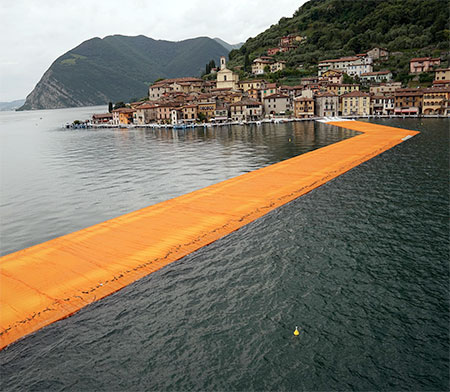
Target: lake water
point(360, 264)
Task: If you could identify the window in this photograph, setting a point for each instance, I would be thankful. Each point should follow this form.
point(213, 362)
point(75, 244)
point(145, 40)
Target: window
point(224, 78)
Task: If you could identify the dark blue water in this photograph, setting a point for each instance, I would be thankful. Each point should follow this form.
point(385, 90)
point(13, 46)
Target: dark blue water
point(360, 264)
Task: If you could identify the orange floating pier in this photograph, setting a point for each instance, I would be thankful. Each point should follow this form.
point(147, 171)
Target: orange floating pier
point(52, 280)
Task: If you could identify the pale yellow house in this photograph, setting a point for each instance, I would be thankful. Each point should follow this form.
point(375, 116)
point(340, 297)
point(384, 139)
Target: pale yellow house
point(246, 85)
point(356, 103)
point(225, 77)
point(303, 107)
point(259, 64)
point(442, 74)
point(341, 89)
point(436, 101)
point(278, 66)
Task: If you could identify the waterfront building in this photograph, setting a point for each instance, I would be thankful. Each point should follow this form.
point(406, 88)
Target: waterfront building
point(356, 103)
point(103, 118)
point(423, 64)
point(163, 113)
point(221, 113)
point(123, 116)
point(145, 114)
point(381, 105)
point(176, 115)
point(277, 103)
point(326, 104)
point(442, 74)
point(189, 113)
point(376, 77)
point(436, 101)
point(408, 101)
point(225, 77)
point(378, 53)
point(385, 88)
point(207, 109)
point(246, 110)
point(303, 107)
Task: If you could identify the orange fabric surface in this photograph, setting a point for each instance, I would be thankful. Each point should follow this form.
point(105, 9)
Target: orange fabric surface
point(52, 280)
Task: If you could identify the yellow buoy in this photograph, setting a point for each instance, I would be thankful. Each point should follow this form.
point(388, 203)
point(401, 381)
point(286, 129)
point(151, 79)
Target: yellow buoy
point(296, 333)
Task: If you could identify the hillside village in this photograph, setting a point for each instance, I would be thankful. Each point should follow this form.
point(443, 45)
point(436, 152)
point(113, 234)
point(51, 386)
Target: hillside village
point(224, 98)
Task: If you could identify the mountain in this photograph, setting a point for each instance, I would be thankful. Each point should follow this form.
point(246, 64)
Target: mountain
point(335, 28)
point(228, 46)
point(13, 105)
point(118, 68)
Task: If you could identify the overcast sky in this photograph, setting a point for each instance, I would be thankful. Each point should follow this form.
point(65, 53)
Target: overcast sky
point(36, 32)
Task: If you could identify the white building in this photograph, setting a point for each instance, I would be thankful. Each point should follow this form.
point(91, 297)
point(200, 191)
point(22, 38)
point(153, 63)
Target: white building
point(352, 66)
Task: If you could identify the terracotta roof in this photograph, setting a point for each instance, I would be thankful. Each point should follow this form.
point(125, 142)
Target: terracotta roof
point(276, 95)
point(424, 59)
point(325, 94)
point(252, 81)
point(437, 90)
point(356, 94)
point(147, 106)
point(375, 73)
point(442, 69)
point(124, 110)
point(102, 115)
point(246, 102)
point(353, 58)
point(342, 84)
point(174, 80)
point(404, 92)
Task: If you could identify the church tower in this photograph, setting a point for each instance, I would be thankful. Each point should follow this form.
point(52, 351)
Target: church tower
point(223, 63)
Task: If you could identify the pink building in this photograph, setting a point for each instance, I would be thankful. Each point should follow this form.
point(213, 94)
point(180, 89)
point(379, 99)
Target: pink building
point(272, 51)
point(423, 64)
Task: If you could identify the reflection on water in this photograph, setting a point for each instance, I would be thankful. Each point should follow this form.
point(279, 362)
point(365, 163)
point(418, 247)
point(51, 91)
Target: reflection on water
point(360, 264)
point(55, 181)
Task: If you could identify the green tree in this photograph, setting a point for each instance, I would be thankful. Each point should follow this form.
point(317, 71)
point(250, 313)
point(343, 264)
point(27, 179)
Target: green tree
point(110, 107)
point(119, 105)
point(201, 117)
point(247, 66)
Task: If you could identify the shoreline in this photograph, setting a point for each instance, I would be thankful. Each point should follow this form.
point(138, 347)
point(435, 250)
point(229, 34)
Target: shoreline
point(277, 120)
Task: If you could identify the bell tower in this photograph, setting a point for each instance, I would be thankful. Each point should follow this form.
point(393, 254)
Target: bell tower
point(223, 62)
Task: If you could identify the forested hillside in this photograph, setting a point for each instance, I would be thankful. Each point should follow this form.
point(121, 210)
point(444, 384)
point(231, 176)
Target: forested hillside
point(118, 68)
point(335, 28)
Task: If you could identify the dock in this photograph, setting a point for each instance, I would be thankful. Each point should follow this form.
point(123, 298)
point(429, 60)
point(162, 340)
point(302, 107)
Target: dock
point(50, 281)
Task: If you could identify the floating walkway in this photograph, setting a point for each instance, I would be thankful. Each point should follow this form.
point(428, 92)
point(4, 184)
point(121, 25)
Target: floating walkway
point(52, 280)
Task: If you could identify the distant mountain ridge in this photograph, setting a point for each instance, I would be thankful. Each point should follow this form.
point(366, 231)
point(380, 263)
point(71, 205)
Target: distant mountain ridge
point(4, 106)
point(118, 68)
point(228, 46)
